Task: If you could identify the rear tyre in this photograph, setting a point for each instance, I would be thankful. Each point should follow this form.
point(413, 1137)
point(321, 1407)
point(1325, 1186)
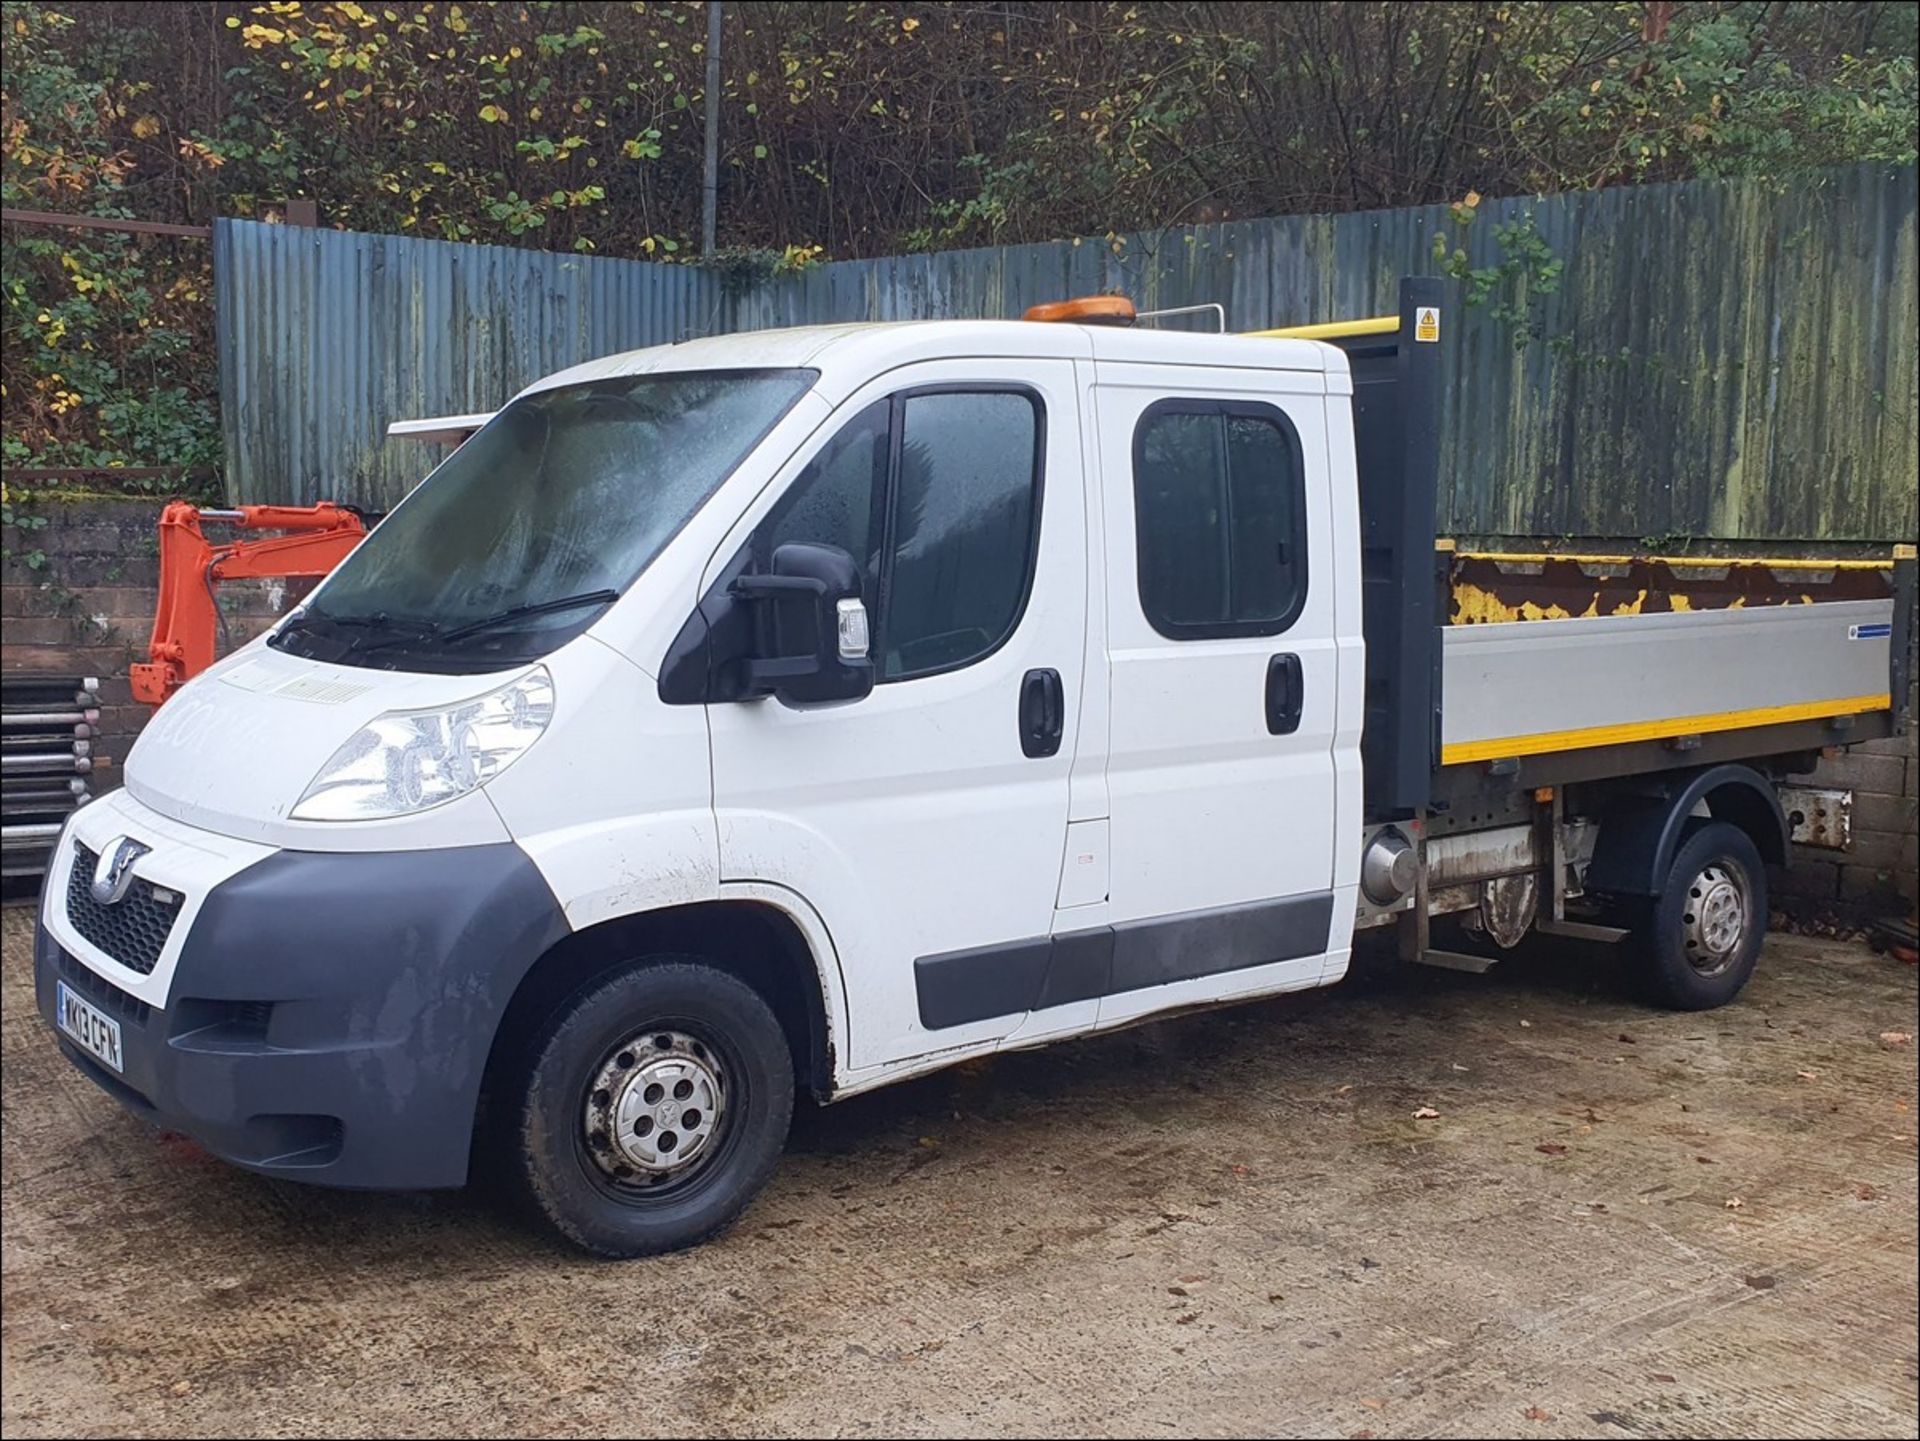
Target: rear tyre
point(654, 1110)
point(1700, 940)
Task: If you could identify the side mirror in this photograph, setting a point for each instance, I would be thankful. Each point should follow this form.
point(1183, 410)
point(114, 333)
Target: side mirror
point(810, 627)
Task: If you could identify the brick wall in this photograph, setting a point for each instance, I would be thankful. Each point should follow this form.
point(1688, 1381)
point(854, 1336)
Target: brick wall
point(88, 609)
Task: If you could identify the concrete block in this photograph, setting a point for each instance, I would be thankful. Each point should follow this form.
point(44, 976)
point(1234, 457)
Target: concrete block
point(1890, 890)
point(1858, 771)
point(1901, 746)
point(1875, 811)
point(45, 630)
point(84, 571)
point(1879, 849)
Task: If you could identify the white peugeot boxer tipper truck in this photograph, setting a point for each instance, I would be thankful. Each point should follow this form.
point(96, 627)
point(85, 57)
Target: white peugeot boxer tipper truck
point(815, 708)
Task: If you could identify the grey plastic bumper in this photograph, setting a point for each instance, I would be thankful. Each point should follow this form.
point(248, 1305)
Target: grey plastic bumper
point(331, 1014)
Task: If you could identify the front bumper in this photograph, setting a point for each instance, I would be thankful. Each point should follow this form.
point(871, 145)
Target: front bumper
point(327, 1017)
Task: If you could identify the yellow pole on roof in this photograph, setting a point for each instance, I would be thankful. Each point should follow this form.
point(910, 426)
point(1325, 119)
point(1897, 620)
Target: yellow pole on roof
point(1332, 329)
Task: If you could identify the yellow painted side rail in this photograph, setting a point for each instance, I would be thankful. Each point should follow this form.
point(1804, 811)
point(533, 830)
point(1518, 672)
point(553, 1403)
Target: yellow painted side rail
point(1654, 730)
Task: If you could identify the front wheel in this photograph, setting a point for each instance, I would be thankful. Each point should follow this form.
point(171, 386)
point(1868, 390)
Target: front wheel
point(1701, 938)
point(655, 1108)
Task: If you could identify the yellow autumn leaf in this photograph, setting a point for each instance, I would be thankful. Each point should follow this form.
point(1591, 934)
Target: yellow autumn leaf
point(492, 114)
point(146, 127)
point(909, 25)
point(1473, 199)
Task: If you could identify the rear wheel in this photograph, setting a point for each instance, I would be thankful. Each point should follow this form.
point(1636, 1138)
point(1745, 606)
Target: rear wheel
point(1701, 938)
point(655, 1108)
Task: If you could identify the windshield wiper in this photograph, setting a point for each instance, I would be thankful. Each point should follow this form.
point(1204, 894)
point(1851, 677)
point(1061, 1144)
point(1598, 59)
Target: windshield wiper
point(311, 621)
point(378, 620)
point(603, 596)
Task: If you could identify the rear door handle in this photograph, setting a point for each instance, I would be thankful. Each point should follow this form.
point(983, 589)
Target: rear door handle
point(1285, 695)
point(1043, 712)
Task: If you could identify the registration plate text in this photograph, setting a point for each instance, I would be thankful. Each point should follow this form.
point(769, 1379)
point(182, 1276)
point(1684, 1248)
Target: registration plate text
point(94, 1032)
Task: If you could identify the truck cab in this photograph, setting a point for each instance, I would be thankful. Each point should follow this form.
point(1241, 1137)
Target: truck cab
point(994, 681)
point(802, 709)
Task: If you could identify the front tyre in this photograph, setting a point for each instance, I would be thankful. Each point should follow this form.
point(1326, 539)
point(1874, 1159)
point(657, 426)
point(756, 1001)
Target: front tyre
point(1701, 939)
point(655, 1108)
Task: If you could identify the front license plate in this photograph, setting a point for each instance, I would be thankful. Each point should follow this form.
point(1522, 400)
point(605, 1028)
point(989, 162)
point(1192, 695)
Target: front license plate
point(96, 1034)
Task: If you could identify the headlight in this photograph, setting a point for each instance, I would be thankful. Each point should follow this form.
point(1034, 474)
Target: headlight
point(407, 761)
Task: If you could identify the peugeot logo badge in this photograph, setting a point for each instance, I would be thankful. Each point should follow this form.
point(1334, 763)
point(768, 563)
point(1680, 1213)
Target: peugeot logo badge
point(113, 872)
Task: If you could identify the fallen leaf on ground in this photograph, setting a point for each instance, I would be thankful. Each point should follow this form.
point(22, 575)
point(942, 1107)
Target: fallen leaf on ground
point(1896, 1038)
point(1373, 1403)
point(1534, 1413)
point(1733, 1203)
point(1426, 1113)
point(1551, 1148)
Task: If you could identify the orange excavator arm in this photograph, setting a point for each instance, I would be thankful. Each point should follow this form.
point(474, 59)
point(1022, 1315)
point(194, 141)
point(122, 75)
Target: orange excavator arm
point(187, 621)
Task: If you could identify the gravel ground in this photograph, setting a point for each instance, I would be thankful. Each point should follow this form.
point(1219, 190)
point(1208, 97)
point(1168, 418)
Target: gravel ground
point(1619, 1223)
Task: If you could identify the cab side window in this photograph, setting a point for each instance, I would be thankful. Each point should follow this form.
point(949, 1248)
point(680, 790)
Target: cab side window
point(936, 495)
point(966, 502)
point(1219, 511)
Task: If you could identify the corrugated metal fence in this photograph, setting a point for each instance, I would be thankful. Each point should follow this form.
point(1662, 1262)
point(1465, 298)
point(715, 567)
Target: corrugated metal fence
point(1721, 359)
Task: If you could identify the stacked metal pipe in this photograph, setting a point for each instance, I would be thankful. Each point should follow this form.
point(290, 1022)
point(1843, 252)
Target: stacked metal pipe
point(48, 726)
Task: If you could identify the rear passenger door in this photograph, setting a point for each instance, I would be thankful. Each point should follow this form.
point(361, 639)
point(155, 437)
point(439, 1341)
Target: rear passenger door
point(925, 822)
point(1221, 768)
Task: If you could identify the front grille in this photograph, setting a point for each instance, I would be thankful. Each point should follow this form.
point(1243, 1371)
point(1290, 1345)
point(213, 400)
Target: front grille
point(133, 930)
point(102, 992)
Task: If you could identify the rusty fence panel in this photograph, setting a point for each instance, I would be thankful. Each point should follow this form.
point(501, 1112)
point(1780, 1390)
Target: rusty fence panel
point(1727, 360)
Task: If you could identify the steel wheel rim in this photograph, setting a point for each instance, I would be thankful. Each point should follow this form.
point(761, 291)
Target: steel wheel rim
point(1717, 913)
point(657, 1112)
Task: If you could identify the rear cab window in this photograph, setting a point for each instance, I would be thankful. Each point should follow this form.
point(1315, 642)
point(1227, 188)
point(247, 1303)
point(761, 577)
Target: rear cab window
point(1220, 516)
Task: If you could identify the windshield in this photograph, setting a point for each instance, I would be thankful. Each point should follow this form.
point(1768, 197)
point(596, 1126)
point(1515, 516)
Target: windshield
point(533, 527)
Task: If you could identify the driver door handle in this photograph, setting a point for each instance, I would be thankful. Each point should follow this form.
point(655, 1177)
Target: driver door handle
point(1043, 712)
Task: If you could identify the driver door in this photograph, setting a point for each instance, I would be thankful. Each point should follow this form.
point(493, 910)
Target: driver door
point(925, 822)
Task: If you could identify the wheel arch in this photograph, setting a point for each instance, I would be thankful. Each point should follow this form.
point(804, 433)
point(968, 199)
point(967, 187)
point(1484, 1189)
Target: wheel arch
point(755, 937)
point(1641, 832)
